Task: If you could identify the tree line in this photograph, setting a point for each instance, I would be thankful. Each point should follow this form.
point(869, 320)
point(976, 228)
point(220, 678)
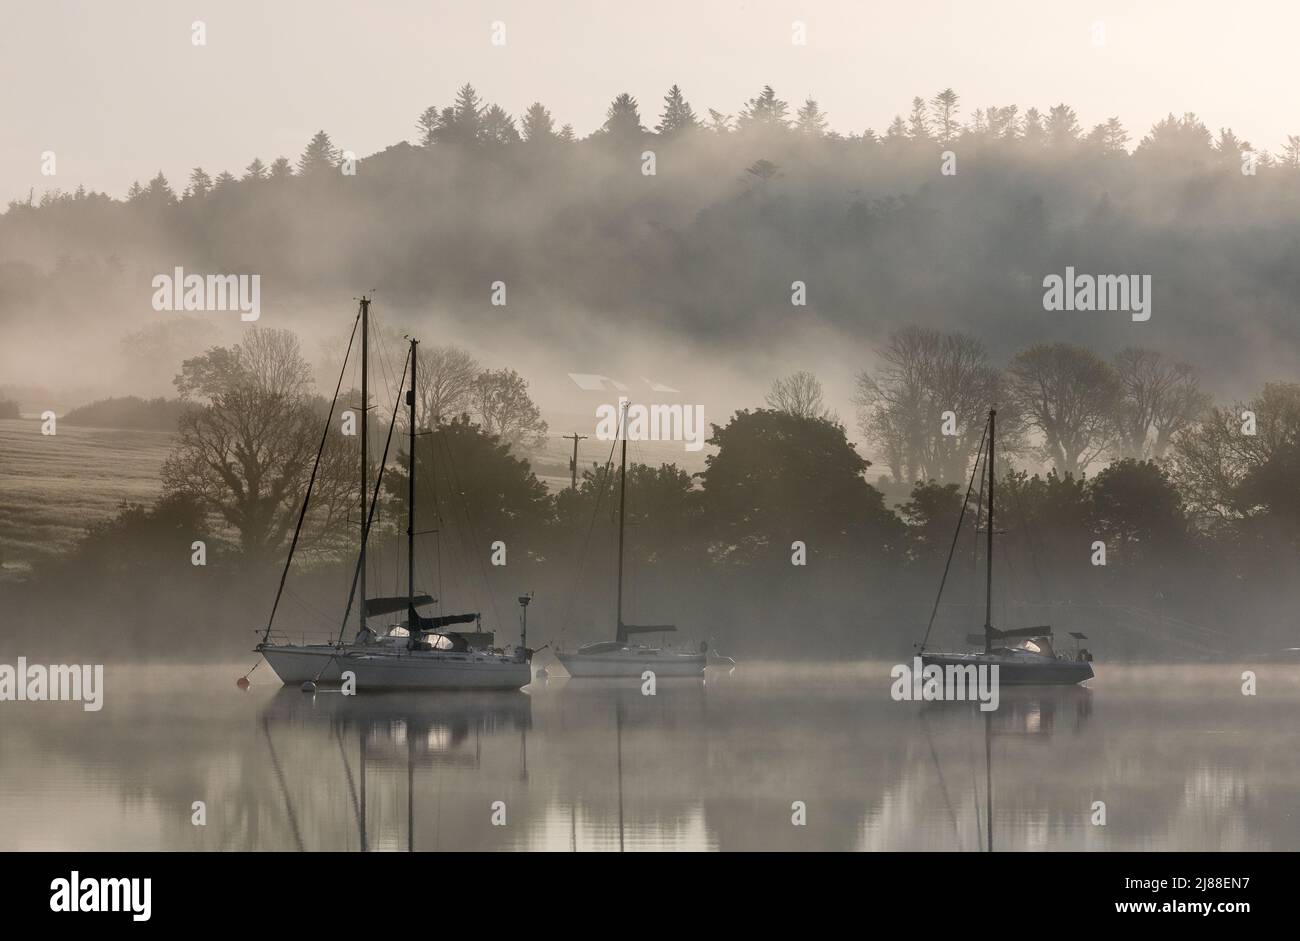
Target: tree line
point(469, 122)
point(781, 540)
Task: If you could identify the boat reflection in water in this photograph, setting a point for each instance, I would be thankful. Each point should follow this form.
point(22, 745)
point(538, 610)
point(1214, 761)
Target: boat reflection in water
point(1030, 714)
point(390, 756)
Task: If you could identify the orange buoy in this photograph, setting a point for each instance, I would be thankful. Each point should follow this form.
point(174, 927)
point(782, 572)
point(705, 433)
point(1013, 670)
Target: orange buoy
point(242, 682)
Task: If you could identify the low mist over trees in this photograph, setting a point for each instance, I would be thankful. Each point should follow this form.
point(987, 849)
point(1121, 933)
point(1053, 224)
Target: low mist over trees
point(928, 285)
point(745, 198)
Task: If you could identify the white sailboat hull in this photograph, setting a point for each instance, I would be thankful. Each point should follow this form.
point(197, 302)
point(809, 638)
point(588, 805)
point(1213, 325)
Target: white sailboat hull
point(396, 669)
point(633, 662)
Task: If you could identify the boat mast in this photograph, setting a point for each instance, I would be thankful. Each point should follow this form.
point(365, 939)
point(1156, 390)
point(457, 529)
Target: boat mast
point(365, 454)
point(412, 630)
point(988, 585)
point(622, 506)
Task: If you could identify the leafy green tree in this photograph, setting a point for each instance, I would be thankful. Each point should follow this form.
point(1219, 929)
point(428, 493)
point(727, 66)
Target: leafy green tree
point(931, 517)
point(470, 487)
point(777, 478)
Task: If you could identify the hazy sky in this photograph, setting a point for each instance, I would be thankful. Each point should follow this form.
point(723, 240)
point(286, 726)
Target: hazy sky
point(118, 91)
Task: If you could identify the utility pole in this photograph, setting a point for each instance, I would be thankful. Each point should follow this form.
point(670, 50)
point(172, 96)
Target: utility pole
point(573, 464)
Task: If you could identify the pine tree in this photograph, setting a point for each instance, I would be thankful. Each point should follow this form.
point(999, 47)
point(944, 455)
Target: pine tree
point(255, 170)
point(320, 156)
point(1062, 126)
point(766, 112)
point(281, 169)
point(1291, 153)
point(497, 127)
point(678, 115)
point(566, 134)
point(537, 124)
point(623, 119)
point(918, 128)
point(225, 179)
point(1033, 132)
point(897, 129)
point(461, 124)
point(810, 119)
point(136, 193)
point(427, 124)
point(200, 184)
point(719, 123)
point(944, 108)
point(160, 192)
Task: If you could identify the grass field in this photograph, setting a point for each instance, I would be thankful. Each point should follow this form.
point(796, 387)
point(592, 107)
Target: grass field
point(52, 487)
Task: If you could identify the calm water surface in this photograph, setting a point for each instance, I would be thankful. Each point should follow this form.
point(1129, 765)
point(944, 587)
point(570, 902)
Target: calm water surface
point(1182, 760)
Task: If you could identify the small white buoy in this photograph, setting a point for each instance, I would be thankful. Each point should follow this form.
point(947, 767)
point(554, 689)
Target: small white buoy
point(309, 687)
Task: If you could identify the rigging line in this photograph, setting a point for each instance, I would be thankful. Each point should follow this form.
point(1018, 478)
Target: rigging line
point(312, 609)
point(951, 549)
point(284, 787)
point(582, 557)
point(975, 795)
point(943, 786)
point(347, 767)
point(379, 480)
point(302, 514)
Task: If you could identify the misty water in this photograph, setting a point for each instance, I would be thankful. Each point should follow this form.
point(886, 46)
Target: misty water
point(1181, 759)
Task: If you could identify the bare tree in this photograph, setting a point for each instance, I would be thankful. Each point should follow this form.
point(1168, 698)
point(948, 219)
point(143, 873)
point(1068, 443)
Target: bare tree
point(1212, 458)
point(1071, 396)
point(504, 408)
point(925, 406)
point(246, 445)
point(1160, 399)
point(446, 380)
point(799, 394)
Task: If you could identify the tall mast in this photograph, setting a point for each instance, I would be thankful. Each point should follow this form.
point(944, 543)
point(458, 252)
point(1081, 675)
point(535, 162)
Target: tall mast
point(365, 453)
point(622, 506)
point(412, 629)
point(988, 585)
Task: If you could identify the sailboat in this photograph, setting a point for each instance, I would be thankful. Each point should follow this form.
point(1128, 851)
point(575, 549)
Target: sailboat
point(620, 657)
point(419, 652)
point(1023, 655)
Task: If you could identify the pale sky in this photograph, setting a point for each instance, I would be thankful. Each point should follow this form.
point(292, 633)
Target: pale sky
point(118, 91)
